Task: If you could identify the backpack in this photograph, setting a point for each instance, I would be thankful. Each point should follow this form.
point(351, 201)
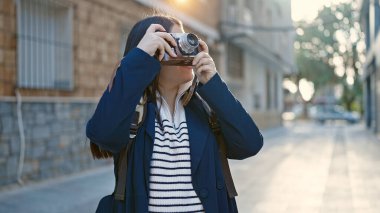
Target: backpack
point(122, 163)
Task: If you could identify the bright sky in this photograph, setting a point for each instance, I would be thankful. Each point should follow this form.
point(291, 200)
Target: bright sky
point(308, 9)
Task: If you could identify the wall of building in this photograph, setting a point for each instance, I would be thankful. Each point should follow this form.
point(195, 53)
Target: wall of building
point(267, 55)
point(55, 140)
point(257, 96)
point(7, 46)
point(377, 130)
point(54, 120)
point(204, 11)
point(98, 29)
point(369, 13)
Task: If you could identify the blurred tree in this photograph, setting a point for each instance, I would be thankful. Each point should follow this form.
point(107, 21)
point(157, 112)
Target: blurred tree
point(329, 52)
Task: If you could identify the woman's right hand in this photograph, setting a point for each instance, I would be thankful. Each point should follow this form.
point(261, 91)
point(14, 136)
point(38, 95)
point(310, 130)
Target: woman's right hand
point(157, 39)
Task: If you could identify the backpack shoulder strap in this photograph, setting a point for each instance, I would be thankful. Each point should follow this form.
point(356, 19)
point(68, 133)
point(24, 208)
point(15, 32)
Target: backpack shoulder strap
point(214, 125)
point(122, 163)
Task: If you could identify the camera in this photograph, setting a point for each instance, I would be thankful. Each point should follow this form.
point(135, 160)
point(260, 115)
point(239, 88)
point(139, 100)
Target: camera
point(186, 49)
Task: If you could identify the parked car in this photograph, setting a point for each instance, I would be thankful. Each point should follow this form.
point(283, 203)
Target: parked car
point(327, 113)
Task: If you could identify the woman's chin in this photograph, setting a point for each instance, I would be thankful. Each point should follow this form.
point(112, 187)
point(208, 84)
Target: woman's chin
point(185, 79)
point(186, 73)
point(186, 68)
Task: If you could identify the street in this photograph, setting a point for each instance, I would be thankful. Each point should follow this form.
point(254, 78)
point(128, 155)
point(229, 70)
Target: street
point(312, 168)
point(303, 167)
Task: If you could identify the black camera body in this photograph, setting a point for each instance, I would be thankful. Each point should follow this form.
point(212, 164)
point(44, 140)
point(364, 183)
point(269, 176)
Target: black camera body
point(186, 49)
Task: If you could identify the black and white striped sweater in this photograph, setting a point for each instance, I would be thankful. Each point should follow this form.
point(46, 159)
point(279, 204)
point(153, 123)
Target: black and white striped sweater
point(170, 185)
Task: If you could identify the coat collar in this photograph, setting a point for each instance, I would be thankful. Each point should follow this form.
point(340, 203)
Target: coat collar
point(198, 131)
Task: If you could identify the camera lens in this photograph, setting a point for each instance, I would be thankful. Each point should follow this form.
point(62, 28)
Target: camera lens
point(187, 42)
point(192, 39)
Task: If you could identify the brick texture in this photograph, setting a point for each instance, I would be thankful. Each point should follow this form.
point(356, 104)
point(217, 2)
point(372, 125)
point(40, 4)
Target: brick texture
point(97, 32)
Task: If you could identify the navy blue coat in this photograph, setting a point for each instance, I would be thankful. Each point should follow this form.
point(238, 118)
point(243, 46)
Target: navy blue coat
point(109, 129)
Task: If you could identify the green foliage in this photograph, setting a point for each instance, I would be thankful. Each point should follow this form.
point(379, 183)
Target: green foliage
point(330, 43)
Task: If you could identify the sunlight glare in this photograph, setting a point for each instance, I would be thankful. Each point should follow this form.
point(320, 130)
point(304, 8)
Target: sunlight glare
point(181, 2)
point(306, 89)
point(307, 10)
point(350, 80)
point(289, 85)
point(339, 71)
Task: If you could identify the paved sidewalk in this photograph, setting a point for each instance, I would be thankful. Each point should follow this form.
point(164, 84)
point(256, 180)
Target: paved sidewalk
point(77, 193)
point(303, 167)
point(312, 168)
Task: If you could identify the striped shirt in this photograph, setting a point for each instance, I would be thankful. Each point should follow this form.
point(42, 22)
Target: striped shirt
point(170, 185)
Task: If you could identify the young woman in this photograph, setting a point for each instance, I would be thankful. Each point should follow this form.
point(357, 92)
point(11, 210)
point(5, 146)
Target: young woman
point(174, 164)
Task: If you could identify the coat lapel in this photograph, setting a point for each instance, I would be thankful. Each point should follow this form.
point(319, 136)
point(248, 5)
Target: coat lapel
point(198, 133)
point(149, 141)
point(198, 130)
point(150, 120)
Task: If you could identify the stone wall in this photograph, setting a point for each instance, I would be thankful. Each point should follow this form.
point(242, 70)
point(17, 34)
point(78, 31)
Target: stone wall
point(55, 140)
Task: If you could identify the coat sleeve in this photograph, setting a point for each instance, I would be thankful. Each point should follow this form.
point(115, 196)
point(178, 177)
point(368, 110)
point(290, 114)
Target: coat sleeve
point(109, 125)
point(243, 138)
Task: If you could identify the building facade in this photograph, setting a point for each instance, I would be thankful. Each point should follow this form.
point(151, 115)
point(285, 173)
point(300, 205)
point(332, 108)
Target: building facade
point(258, 37)
point(57, 56)
point(370, 24)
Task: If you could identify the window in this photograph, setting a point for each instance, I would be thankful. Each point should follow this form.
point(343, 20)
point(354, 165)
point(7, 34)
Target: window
point(232, 13)
point(377, 17)
point(278, 10)
point(259, 6)
point(215, 54)
point(268, 90)
point(45, 47)
point(250, 4)
point(257, 101)
point(235, 61)
point(275, 84)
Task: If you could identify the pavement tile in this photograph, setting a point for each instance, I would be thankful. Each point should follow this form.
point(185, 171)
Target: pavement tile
point(303, 167)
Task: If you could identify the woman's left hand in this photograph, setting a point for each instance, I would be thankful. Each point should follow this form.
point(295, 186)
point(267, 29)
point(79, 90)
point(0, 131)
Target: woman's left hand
point(204, 66)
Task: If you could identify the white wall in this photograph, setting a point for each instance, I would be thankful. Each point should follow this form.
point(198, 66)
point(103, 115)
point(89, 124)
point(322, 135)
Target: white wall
point(254, 81)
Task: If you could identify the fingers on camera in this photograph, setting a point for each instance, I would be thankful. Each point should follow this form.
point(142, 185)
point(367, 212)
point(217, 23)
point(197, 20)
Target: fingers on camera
point(154, 28)
point(203, 46)
point(167, 37)
point(200, 56)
